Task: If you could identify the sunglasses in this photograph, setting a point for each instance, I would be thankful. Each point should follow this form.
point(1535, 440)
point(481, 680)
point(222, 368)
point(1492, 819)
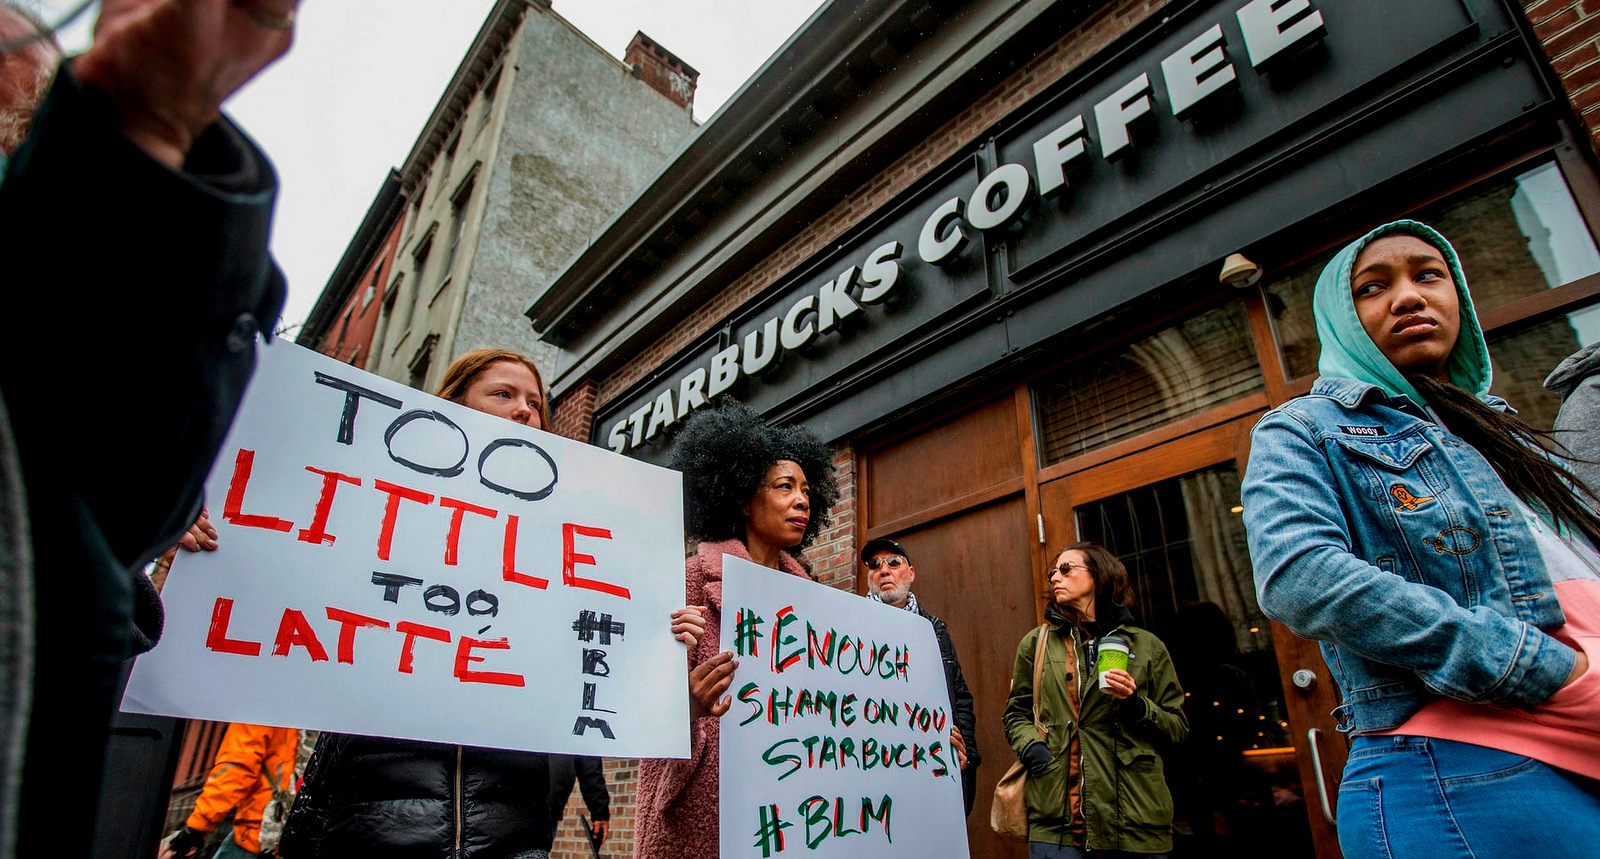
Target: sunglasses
point(894, 562)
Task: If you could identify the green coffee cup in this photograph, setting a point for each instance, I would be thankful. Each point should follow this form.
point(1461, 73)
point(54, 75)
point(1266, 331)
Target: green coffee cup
point(1113, 653)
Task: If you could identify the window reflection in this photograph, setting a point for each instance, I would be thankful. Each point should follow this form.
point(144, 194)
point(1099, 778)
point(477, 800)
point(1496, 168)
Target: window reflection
point(1235, 783)
point(1557, 238)
point(1200, 363)
point(1523, 358)
point(1516, 237)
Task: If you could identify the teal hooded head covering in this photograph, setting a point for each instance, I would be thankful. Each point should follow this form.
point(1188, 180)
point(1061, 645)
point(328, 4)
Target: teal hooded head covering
point(1349, 353)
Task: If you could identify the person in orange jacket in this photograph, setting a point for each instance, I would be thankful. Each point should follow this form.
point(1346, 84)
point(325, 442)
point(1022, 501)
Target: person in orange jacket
point(254, 762)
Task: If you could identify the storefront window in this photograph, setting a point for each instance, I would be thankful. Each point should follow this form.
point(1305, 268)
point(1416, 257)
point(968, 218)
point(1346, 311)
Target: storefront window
point(1516, 237)
point(1182, 370)
point(1236, 788)
point(1522, 358)
point(1289, 302)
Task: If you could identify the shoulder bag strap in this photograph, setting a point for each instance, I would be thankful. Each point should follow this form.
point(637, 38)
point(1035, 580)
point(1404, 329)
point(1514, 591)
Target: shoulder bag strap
point(1038, 673)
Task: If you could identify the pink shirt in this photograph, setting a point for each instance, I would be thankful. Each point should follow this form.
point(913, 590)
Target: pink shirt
point(1564, 730)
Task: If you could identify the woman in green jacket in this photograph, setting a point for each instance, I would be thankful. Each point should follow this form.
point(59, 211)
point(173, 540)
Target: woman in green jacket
point(1095, 780)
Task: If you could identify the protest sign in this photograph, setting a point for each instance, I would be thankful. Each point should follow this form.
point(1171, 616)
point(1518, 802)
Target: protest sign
point(393, 564)
point(838, 741)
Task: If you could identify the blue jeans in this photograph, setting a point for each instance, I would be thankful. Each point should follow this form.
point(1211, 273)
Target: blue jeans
point(230, 849)
point(1414, 798)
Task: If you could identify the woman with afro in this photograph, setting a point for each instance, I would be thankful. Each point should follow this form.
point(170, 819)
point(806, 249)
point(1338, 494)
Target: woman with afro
point(756, 492)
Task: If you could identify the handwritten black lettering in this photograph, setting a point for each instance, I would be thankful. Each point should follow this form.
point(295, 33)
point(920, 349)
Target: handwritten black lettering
point(353, 394)
point(392, 583)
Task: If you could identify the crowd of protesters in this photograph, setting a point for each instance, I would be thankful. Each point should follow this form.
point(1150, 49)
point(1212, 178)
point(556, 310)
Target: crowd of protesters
point(1441, 552)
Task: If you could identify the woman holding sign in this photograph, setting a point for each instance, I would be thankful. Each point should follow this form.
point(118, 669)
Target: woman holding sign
point(755, 492)
point(1108, 701)
point(378, 796)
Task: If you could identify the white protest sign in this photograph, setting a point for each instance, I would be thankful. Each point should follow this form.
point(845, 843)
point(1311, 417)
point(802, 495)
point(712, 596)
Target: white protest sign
point(393, 564)
point(838, 741)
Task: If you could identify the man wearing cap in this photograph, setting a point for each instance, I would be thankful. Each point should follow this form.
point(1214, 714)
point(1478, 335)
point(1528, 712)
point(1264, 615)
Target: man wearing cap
point(889, 578)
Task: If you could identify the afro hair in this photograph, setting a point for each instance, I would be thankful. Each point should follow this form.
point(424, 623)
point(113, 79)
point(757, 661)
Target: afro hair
point(726, 450)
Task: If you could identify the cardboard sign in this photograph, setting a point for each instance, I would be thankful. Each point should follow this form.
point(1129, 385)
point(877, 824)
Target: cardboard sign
point(838, 741)
point(393, 564)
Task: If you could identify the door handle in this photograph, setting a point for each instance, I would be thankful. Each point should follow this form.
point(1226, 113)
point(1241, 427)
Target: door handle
point(1313, 736)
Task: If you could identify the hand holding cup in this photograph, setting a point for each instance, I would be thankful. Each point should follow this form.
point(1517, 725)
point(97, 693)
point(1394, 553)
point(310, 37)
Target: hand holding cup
point(1111, 662)
point(1118, 684)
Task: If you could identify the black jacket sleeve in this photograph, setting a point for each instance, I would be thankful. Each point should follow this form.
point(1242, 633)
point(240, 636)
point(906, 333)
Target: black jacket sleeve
point(160, 279)
point(965, 718)
point(592, 781)
point(169, 279)
point(308, 815)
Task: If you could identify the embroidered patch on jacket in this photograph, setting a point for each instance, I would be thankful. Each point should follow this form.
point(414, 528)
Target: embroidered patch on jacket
point(1367, 431)
point(1457, 540)
point(1406, 499)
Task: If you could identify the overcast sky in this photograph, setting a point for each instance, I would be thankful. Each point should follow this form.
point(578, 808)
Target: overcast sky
point(349, 99)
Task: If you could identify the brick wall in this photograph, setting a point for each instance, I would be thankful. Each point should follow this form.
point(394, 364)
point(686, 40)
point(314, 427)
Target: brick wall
point(622, 780)
point(833, 555)
point(664, 72)
point(1569, 32)
point(350, 336)
point(573, 415)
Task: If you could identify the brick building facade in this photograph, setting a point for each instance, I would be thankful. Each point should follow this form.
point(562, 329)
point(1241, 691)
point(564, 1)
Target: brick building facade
point(943, 428)
point(344, 320)
point(506, 179)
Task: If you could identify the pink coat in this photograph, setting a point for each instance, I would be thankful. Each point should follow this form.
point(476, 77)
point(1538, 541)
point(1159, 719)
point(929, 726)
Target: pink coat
point(676, 816)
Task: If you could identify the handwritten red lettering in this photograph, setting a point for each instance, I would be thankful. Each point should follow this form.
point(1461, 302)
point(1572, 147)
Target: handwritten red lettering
point(318, 532)
point(465, 657)
point(217, 636)
point(391, 511)
point(349, 622)
point(508, 566)
point(452, 540)
point(413, 631)
point(570, 558)
point(782, 638)
point(233, 504)
point(294, 631)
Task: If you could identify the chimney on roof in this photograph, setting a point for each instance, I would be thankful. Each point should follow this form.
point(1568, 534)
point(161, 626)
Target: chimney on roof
point(664, 72)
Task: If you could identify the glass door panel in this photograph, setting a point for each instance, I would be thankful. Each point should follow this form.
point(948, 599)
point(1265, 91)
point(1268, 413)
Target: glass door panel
point(1259, 772)
point(1235, 783)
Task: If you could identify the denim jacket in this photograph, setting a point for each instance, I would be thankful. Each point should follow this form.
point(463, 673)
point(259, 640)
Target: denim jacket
point(1393, 543)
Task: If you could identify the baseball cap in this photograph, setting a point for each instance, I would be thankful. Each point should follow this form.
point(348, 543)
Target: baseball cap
point(882, 544)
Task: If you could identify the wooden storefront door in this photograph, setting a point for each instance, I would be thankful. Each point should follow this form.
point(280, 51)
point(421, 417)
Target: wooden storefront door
point(966, 499)
point(954, 496)
point(1259, 773)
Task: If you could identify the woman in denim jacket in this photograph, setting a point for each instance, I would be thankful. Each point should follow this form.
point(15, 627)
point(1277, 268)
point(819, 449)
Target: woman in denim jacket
point(1399, 516)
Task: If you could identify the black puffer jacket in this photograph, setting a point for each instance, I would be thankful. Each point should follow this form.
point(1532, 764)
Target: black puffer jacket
point(403, 799)
point(961, 700)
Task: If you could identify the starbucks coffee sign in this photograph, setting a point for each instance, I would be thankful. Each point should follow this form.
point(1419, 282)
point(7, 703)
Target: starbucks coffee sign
point(1051, 179)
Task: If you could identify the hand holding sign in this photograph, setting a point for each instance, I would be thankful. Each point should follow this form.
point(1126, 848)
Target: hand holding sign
point(688, 624)
point(408, 565)
point(708, 683)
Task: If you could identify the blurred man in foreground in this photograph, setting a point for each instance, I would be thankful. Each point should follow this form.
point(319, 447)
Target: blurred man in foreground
point(135, 221)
